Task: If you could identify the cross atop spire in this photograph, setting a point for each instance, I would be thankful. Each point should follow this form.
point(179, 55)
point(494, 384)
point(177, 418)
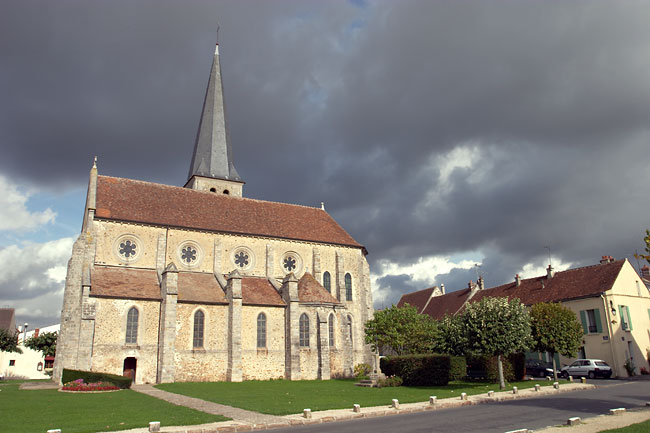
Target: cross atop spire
point(212, 167)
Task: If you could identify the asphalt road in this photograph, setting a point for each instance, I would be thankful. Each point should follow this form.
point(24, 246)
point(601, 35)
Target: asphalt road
point(534, 413)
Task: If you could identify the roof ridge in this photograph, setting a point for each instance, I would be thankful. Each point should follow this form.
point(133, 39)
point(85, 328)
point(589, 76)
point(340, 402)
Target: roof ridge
point(213, 194)
point(538, 277)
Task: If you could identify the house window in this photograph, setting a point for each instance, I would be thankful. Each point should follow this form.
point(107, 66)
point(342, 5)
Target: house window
point(199, 320)
point(591, 323)
point(348, 287)
point(132, 326)
point(327, 281)
point(261, 330)
point(304, 330)
point(626, 321)
point(12, 363)
point(331, 330)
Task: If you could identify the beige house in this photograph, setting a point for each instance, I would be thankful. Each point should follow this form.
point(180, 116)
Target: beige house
point(198, 283)
point(609, 299)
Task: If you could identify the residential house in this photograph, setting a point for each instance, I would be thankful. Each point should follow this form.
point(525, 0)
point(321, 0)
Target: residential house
point(610, 300)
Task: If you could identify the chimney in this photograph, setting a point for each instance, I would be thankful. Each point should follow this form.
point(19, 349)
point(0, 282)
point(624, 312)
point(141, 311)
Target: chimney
point(442, 287)
point(550, 272)
point(645, 272)
point(481, 283)
point(517, 280)
point(36, 332)
point(606, 259)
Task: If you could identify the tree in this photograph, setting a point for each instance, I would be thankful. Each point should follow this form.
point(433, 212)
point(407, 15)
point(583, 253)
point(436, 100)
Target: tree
point(555, 329)
point(452, 339)
point(646, 239)
point(402, 329)
point(497, 327)
point(45, 342)
point(9, 341)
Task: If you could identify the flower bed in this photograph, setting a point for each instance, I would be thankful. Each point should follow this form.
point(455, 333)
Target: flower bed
point(79, 385)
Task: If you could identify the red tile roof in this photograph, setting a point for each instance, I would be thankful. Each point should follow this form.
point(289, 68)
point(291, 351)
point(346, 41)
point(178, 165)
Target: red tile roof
point(258, 291)
point(310, 290)
point(152, 203)
point(566, 285)
point(416, 299)
point(129, 283)
point(200, 287)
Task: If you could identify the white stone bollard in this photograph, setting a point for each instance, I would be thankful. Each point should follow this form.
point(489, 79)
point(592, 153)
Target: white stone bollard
point(395, 403)
point(56, 430)
point(570, 379)
point(306, 413)
point(549, 378)
point(515, 390)
point(583, 380)
point(432, 400)
point(356, 408)
point(574, 421)
point(490, 393)
point(556, 385)
point(154, 426)
point(617, 411)
point(463, 396)
point(537, 387)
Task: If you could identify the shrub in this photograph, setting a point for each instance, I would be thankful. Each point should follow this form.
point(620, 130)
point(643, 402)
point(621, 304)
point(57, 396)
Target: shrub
point(389, 381)
point(629, 367)
point(419, 370)
point(644, 371)
point(79, 385)
point(518, 361)
point(362, 370)
point(485, 367)
point(121, 382)
point(457, 367)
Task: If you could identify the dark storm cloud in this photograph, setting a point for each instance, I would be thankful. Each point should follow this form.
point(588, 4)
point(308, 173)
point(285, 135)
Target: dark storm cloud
point(353, 104)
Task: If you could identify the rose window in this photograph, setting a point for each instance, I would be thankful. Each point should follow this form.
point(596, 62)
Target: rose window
point(241, 259)
point(128, 249)
point(289, 263)
point(188, 254)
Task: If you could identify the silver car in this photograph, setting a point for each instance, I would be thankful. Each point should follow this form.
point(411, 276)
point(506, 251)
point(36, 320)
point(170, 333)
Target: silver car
point(590, 368)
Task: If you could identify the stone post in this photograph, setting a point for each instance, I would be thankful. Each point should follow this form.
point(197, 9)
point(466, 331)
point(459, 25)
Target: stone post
point(160, 256)
point(340, 276)
point(316, 265)
point(234, 296)
point(87, 326)
point(323, 346)
point(289, 292)
point(269, 261)
point(167, 326)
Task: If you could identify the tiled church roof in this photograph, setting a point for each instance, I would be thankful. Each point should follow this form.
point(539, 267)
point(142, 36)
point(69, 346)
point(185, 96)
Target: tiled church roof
point(200, 287)
point(565, 285)
point(130, 283)
point(258, 291)
point(310, 290)
point(152, 203)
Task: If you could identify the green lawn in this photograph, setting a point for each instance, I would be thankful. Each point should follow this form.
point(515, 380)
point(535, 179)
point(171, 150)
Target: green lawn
point(280, 397)
point(642, 427)
point(28, 411)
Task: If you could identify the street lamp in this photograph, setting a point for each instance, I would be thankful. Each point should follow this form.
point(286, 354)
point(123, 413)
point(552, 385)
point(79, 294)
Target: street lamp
point(25, 333)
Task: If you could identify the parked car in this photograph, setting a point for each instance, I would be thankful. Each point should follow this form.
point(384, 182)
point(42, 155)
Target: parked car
point(588, 368)
point(537, 368)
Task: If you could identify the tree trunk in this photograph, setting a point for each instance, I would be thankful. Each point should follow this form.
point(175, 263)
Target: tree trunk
point(502, 382)
point(554, 367)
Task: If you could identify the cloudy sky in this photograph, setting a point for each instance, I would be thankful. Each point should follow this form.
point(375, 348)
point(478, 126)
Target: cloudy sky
point(440, 134)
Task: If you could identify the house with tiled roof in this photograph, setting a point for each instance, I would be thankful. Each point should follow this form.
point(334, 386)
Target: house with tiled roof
point(610, 300)
point(199, 283)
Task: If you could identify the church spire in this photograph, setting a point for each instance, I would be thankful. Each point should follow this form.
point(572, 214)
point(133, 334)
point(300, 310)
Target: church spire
point(212, 166)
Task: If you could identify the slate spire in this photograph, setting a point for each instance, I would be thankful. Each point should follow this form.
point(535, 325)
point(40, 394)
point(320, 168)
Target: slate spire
point(212, 156)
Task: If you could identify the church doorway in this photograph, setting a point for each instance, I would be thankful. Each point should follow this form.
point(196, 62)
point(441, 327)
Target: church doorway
point(130, 365)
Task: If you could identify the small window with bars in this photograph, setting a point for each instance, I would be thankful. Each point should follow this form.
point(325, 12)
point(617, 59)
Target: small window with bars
point(132, 326)
point(304, 330)
point(261, 331)
point(199, 322)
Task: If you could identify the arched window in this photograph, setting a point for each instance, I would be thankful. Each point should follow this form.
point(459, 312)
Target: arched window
point(348, 287)
point(132, 326)
point(261, 330)
point(199, 320)
point(304, 330)
point(327, 281)
point(350, 329)
point(331, 330)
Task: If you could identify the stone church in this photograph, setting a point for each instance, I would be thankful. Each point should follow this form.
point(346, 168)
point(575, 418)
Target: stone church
point(198, 283)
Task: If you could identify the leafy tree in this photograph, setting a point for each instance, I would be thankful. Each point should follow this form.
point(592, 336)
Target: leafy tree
point(45, 342)
point(498, 327)
point(646, 239)
point(452, 339)
point(403, 330)
point(555, 329)
point(9, 341)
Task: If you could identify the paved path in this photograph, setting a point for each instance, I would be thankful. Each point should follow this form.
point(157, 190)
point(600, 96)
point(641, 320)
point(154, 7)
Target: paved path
point(236, 414)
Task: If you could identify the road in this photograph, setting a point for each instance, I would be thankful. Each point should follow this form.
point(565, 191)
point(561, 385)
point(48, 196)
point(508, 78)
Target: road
point(534, 413)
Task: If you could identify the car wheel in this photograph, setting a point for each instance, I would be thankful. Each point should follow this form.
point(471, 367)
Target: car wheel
point(565, 374)
point(591, 375)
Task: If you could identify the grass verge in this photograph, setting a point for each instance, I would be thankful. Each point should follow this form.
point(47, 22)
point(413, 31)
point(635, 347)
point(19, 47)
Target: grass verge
point(642, 427)
point(28, 411)
point(282, 397)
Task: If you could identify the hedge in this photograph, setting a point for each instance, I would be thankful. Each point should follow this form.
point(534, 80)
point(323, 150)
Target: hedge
point(421, 370)
point(485, 367)
point(122, 382)
point(457, 368)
